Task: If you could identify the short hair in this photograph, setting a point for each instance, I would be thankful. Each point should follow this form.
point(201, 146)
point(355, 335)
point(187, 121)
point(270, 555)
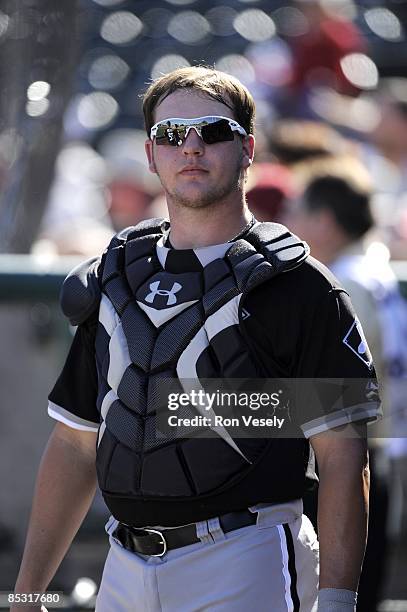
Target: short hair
point(347, 199)
point(209, 82)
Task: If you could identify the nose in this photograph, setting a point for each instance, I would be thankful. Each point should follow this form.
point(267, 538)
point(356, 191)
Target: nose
point(193, 144)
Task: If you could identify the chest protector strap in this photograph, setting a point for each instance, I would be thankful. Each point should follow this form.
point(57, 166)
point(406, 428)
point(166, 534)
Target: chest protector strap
point(139, 345)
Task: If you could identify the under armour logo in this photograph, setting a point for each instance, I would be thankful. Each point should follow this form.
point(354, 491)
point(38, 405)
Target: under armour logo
point(154, 287)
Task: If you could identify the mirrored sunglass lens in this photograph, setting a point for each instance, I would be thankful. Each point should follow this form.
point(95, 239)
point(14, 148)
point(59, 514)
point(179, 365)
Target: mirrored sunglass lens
point(161, 136)
point(219, 131)
point(170, 135)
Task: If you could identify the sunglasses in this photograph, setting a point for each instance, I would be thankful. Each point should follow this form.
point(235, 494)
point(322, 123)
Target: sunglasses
point(211, 129)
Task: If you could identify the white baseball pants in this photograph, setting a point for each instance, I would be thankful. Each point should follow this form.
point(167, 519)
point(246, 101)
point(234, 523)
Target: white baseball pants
point(271, 566)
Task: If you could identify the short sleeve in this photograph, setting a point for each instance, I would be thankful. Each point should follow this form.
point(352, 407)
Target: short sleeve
point(73, 398)
point(302, 327)
point(335, 377)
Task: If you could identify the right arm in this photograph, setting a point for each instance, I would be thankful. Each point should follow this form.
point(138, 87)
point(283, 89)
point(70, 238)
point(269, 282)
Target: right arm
point(64, 490)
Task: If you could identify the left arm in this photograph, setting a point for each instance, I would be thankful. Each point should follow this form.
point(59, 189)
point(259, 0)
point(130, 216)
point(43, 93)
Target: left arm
point(342, 507)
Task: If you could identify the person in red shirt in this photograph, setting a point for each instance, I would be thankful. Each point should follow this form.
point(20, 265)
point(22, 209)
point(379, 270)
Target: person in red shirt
point(317, 52)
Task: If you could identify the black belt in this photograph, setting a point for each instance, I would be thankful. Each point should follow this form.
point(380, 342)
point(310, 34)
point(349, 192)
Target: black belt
point(156, 542)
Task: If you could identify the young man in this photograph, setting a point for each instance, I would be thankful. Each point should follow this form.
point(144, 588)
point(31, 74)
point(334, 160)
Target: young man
point(203, 522)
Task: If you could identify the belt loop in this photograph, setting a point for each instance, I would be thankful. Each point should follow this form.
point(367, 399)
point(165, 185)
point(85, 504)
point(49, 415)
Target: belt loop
point(255, 510)
point(216, 530)
point(203, 533)
point(269, 515)
point(263, 517)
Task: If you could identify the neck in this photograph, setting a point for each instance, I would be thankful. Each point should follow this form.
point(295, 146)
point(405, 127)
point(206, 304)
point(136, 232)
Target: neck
point(193, 228)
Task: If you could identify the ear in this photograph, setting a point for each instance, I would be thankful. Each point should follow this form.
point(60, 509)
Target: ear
point(148, 147)
point(248, 150)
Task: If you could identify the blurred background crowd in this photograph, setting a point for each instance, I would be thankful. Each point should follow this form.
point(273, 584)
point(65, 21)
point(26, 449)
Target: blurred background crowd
point(329, 78)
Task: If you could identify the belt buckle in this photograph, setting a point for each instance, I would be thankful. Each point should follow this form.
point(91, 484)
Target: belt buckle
point(163, 541)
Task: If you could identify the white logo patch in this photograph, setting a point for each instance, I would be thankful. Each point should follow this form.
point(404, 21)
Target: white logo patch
point(171, 297)
point(356, 341)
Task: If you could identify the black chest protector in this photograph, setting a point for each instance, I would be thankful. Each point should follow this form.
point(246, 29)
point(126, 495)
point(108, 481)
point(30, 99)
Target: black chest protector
point(156, 324)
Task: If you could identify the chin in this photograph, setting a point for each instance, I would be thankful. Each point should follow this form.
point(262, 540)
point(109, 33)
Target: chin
point(197, 198)
point(195, 202)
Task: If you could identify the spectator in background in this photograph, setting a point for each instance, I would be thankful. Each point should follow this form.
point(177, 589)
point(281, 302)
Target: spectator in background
point(130, 187)
point(271, 184)
point(329, 36)
point(295, 141)
point(334, 216)
point(378, 123)
point(129, 202)
point(77, 220)
point(386, 158)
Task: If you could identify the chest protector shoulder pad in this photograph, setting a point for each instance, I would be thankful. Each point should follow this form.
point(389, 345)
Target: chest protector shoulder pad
point(156, 325)
point(81, 290)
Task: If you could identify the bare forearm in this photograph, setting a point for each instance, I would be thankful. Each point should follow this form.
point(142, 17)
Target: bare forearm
point(64, 490)
point(342, 522)
point(342, 505)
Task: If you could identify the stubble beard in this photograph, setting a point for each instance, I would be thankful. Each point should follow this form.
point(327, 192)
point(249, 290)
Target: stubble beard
point(212, 195)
